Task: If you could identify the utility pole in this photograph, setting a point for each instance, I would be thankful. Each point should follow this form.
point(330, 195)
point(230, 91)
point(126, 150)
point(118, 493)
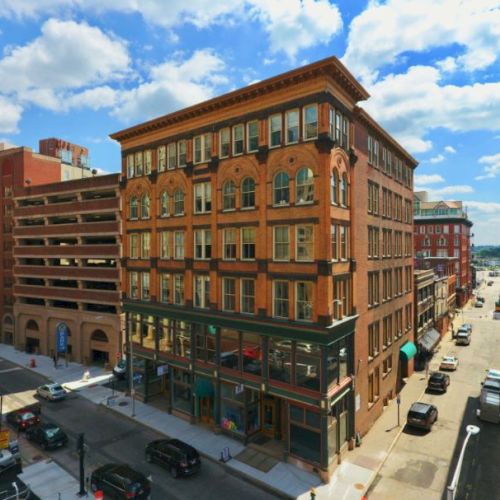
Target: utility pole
point(81, 453)
point(131, 365)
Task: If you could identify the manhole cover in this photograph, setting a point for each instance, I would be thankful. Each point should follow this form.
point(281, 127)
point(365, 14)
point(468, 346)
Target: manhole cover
point(122, 403)
point(359, 486)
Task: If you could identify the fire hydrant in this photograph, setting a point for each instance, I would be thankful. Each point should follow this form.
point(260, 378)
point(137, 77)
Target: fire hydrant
point(32, 363)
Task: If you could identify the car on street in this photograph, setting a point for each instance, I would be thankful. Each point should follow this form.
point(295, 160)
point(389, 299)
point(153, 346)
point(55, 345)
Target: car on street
point(120, 481)
point(490, 283)
point(480, 298)
point(478, 304)
point(7, 459)
point(179, 458)
point(465, 327)
point(449, 362)
point(462, 337)
point(422, 415)
point(22, 419)
point(438, 382)
point(493, 374)
point(48, 436)
point(51, 392)
point(120, 369)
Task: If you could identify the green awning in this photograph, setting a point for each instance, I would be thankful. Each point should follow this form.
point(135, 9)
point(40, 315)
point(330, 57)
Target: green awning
point(203, 388)
point(407, 351)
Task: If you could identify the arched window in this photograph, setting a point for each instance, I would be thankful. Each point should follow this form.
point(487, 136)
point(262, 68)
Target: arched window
point(98, 336)
point(248, 193)
point(334, 187)
point(133, 208)
point(281, 189)
point(179, 202)
point(164, 204)
point(304, 186)
point(343, 191)
point(145, 207)
point(229, 196)
point(32, 325)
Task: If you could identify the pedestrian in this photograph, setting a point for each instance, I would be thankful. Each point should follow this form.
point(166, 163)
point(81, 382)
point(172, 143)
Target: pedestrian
point(54, 358)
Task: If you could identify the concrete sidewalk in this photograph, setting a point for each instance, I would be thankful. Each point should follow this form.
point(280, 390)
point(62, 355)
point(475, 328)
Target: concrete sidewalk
point(351, 479)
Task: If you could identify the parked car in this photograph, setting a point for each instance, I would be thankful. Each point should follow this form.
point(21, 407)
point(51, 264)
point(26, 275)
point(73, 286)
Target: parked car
point(51, 392)
point(480, 298)
point(478, 304)
point(120, 369)
point(48, 436)
point(493, 374)
point(465, 327)
point(7, 459)
point(120, 481)
point(490, 283)
point(449, 363)
point(179, 458)
point(22, 419)
point(438, 382)
point(422, 415)
point(462, 337)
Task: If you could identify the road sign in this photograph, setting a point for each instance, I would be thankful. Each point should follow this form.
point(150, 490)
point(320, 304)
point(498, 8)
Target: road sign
point(4, 439)
point(62, 332)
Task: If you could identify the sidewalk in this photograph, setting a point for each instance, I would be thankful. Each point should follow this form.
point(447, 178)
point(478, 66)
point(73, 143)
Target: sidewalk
point(351, 479)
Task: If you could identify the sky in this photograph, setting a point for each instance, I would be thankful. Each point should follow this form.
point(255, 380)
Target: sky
point(82, 69)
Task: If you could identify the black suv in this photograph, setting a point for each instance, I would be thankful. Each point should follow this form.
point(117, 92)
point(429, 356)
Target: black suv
point(422, 415)
point(178, 457)
point(438, 382)
point(47, 436)
point(120, 481)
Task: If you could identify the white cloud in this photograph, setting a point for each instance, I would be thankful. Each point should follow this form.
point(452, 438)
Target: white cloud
point(172, 85)
point(411, 104)
point(485, 207)
point(382, 33)
point(492, 168)
point(95, 98)
point(10, 116)
point(437, 159)
point(450, 149)
point(446, 192)
point(447, 65)
point(422, 180)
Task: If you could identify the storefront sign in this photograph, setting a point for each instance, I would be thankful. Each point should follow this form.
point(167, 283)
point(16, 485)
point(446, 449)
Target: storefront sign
point(62, 338)
point(161, 370)
point(238, 389)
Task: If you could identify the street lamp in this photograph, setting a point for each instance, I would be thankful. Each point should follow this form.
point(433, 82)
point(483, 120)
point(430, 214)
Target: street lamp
point(451, 490)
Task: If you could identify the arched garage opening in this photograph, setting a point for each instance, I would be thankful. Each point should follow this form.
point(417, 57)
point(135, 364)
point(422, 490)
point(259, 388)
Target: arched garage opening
point(8, 329)
point(32, 337)
point(99, 347)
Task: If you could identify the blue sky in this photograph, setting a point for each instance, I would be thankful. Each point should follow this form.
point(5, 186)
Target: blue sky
point(81, 69)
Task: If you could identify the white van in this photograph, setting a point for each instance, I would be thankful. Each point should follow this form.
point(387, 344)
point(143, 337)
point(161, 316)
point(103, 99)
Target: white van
point(462, 337)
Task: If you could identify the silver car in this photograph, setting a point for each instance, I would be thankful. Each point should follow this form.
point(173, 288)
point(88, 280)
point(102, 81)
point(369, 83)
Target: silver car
point(51, 392)
point(6, 459)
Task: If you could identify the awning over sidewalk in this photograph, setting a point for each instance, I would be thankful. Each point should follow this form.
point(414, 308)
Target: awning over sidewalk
point(203, 388)
point(429, 339)
point(407, 351)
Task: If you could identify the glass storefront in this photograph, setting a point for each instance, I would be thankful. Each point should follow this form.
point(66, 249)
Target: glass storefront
point(240, 409)
point(181, 396)
point(280, 359)
point(305, 433)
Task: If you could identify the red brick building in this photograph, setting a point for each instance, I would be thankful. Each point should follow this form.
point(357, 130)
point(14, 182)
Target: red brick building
point(67, 152)
point(253, 223)
point(67, 272)
point(442, 229)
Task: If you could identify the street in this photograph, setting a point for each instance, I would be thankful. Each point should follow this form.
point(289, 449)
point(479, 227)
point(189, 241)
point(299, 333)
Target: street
point(112, 438)
point(421, 464)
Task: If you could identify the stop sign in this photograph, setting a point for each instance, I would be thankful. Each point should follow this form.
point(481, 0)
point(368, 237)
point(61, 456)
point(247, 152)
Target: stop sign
point(99, 495)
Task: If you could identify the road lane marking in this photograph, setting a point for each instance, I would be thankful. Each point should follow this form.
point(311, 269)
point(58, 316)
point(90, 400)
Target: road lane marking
point(7, 370)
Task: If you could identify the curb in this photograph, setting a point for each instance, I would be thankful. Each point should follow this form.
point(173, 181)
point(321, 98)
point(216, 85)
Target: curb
point(234, 472)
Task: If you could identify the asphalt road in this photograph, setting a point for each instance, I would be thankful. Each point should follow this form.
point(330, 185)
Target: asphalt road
point(421, 464)
point(113, 438)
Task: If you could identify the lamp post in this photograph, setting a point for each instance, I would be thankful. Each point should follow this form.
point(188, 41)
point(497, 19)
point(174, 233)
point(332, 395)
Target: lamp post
point(451, 490)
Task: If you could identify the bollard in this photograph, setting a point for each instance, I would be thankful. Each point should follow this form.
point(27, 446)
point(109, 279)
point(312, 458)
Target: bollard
point(313, 493)
point(32, 363)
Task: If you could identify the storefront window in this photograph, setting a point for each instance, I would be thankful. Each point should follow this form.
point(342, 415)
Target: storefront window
point(229, 348)
point(253, 410)
point(232, 408)
point(280, 360)
point(332, 439)
point(135, 327)
point(165, 336)
point(305, 434)
point(181, 399)
point(148, 332)
point(139, 374)
point(307, 366)
point(205, 344)
point(182, 339)
point(252, 353)
point(343, 358)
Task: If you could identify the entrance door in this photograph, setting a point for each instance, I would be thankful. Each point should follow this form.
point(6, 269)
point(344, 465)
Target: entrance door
point(206, 410)
point(268, 417)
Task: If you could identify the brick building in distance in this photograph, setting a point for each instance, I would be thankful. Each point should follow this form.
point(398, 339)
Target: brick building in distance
point(67, 268)
point(442, 229)
point(75, 160)
point(259, 227)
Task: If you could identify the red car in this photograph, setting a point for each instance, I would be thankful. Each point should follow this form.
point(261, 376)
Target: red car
point(23, 419)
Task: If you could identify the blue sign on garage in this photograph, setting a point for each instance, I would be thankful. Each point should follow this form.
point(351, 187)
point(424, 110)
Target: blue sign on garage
point(62, 332)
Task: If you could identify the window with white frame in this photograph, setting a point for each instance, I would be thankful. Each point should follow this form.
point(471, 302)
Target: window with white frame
point(238, 139)
point(335, 241)
point(224, 142)
point(229, 244)
point(331, 122)
point(281, 243)
point(134, 208)
point(275, 131)
point(179, 289)
point(202, 244)
point(334, 187)
point(147, 161)
point(229, 195)
point(130, 166)
point(179, 245)
point(252, 136)
point(171, 156)
point(181, 153)
point(145, 245)
point(165, 245)
point(344, 254)
point(280, 299)
point(310, 122)
point(202, 198)
point(343, 190)
point(229, 294)
point(248, 193)
point(281, 189)
point(145, 207)
point(134, 246)
point(303, 301)
point(304, 242)
point(202, 145)
point(201, 292)
point(134, 285)
point(164, 204)
point(247, 296)
point(138, 163)
point(179, 202)
point(304, 186)
point(292, 126)
point(248, 243)
point(145, 292)
point(161, 158)
point(165, 287)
